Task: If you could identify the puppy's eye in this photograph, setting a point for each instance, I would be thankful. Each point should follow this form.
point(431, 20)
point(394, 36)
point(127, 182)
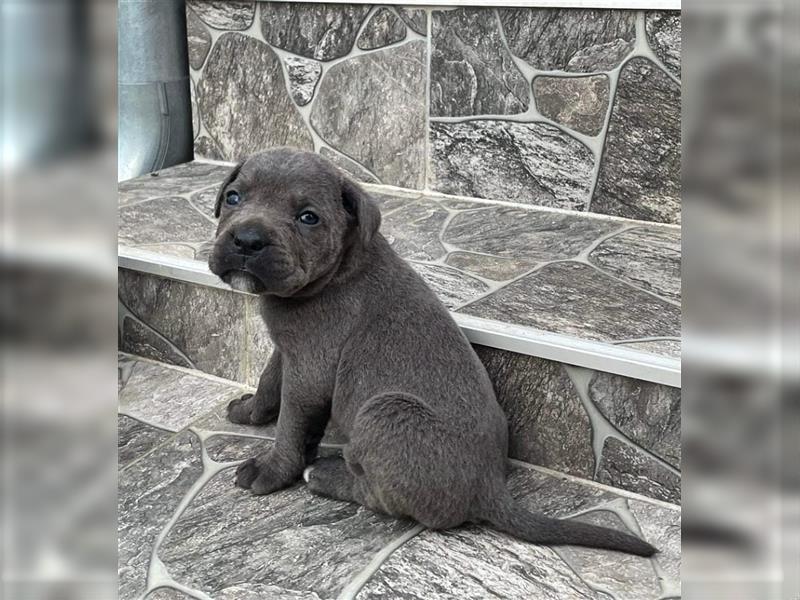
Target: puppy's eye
point(308, 218)
point(232, 198)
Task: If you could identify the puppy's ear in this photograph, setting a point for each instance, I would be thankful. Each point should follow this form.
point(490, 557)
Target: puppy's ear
point(362, 208)
point(221, 192)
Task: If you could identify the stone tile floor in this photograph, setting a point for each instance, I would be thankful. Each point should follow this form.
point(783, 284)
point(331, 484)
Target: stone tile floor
point(595, 278)
point(187, 532)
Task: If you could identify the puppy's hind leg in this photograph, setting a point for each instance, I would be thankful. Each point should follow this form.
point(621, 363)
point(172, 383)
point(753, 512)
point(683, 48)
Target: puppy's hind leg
point(331, 478)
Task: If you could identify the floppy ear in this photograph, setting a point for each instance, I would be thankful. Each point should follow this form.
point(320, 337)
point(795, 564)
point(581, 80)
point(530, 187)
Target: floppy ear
point(231, 176)
point(362, 208)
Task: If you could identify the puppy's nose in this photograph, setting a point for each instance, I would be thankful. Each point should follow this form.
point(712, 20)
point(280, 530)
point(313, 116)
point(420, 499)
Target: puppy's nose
point(250, 240)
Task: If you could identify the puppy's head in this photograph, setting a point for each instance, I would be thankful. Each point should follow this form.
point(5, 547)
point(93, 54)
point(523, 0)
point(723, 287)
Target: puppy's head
point(286, 219)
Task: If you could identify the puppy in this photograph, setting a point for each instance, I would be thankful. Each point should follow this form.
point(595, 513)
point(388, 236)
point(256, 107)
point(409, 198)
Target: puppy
point(361, 339)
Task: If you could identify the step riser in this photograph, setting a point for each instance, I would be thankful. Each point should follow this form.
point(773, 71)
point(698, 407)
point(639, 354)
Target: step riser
point(617, 430)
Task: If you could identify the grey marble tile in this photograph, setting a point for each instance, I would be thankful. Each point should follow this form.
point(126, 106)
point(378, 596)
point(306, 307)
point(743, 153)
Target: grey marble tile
point(198, 39)
point(575, 299)
point(195, 109)
point(125, 366)
point(205, 147)
point(664, 37)
point(348, 165)
point(303, 77)
point(391, 202)
point(415, 18)
point(244, 591)
point(290, 539)
point(662, 528)
point(649, 257)
point(149, 491)
point(216, 420)
point(547, 423)
point(180, 179)
point(383, 28)
point(647, 413)
point(472, 72)
point(382, 124)
point(205, 324)
point(527, 163)
point(165, 593)
point(230, 14)
point(570, 39)
point(320, 31)
point(244, 102)
point(641, 165)
point(135, 439)
point(553, 495)
point(169, 398)
point(664, 347)
point(495, 268)
point(510, 232)
point(226, 448)
point(624, 467)
point(140, 339)
point(579, 103)
point(205, 200)
point(163, 220)
point(623, 576)
point(413, 231)
point(453, 287)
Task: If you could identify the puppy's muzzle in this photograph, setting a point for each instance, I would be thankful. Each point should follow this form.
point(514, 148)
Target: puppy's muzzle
point(250, 239)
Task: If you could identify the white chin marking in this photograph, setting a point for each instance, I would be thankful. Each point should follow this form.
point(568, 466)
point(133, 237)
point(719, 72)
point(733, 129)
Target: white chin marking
point(242, 282)
point(307, 474)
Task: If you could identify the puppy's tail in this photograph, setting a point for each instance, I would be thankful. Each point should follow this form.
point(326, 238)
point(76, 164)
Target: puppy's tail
point(509, 517)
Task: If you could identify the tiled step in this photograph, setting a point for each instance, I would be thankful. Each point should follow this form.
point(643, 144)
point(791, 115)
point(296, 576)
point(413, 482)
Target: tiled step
point(187, 532)
point(576, 317)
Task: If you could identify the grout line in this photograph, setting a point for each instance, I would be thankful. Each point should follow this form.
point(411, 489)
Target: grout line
point(361, 579)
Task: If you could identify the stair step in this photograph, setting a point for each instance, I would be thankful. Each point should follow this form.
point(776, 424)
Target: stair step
point(576, 317)
point(185, 530)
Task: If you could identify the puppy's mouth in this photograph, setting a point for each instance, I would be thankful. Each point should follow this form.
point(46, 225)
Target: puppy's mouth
point(243, 281)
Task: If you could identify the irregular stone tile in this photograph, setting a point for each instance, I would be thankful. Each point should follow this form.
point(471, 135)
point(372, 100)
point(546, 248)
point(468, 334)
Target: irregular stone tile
point(141, 340)
point(383, 28)
point(547, 423)
point(413, 231)
point(549, 39)
point(624, 467)
point(180, 179)
point(390, 202)
point(348, 165)
point(664, 37)
point(320, 31)
point(244, 102)
point(162, 220)
point(463, 205)
point(579, 103)
point(206, 324)
point(228, 448)
point(233, 15)
point(574, 299)
point(527, 163)
point(290, 539)
point(647, 413)
point(664, 347)
point(125, 367)
point(205, 201)
point(216, 420)
point(135, 439)
point(205, 147)
point(490, 267)
point(198, 39)
point(382, 124)
point(662, 528)
point(303, 77)
point(641, 165)
point(149, 491)
point(452, 287)
point(518, 233)
point(472, 73)
point(555, 496)
point(649, 257)
point(165, 593)
point(195, 110)
point(415, 18)
point(169, 398)
point(624, 576)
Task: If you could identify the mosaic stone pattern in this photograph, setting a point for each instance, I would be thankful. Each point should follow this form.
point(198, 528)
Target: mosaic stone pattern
point(512, 104)
point(185, 530)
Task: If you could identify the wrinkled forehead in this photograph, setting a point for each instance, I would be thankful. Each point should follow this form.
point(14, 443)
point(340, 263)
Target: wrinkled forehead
point(290, 178)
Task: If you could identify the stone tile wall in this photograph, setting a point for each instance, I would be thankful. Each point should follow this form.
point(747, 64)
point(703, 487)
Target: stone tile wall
point(567, 108)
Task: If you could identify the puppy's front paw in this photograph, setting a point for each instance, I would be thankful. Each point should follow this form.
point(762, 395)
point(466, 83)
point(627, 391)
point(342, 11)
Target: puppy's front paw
point(260, 477)
point(240, 409)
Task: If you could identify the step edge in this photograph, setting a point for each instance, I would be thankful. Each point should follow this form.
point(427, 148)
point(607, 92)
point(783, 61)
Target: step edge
point(599, 356)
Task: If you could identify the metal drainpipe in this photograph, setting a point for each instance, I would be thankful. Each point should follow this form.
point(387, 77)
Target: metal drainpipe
point(155, 114)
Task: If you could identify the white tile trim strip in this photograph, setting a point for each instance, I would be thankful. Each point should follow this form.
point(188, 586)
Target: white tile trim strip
point(523, 340)
point(618, 4)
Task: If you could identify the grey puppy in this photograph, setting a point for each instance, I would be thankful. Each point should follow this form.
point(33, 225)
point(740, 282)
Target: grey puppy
point(361, 339)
